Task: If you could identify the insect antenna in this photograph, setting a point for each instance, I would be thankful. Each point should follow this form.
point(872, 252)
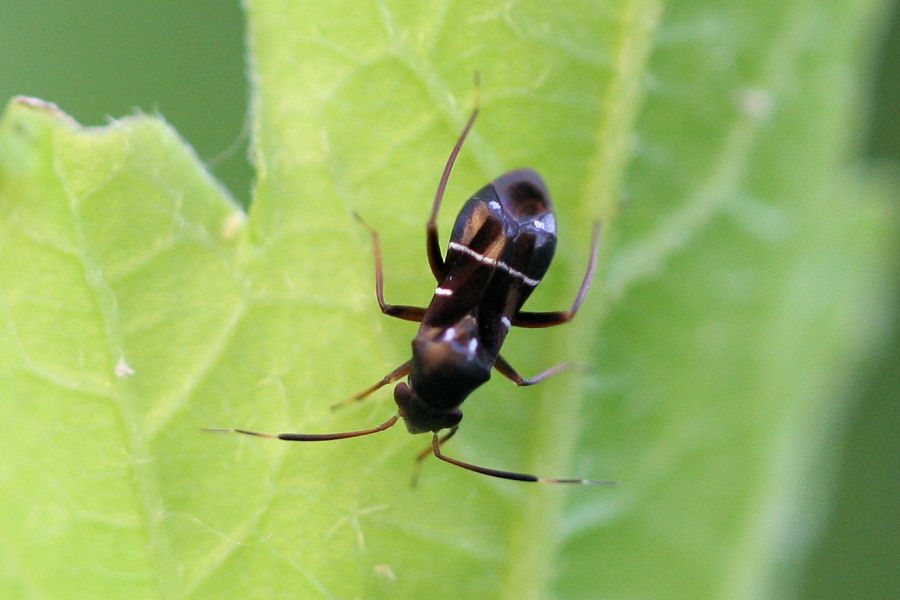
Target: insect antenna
point(436, 450)
point(311, 437)
point(417, 466)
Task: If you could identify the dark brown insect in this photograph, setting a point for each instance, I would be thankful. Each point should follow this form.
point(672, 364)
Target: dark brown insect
point(501, 246)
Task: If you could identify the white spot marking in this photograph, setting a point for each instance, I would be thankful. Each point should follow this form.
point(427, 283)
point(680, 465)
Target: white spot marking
point(538, 225)
point(525, 278)
point(443, 292)
point(473, 346)
point(449, 334)
point(494, 205)
point(477, 256)
point(506, 322)
point(494, 263)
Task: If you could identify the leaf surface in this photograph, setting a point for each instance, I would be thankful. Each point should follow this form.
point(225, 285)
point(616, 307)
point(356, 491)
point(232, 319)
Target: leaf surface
point(741, 283)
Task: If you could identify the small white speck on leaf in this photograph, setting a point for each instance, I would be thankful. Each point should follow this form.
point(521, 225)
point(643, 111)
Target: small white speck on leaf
point(386, 572)
point(123, 369)
point(755, 102)
point(232, 224)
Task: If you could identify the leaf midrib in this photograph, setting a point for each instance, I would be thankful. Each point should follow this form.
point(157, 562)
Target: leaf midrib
point(540, 518)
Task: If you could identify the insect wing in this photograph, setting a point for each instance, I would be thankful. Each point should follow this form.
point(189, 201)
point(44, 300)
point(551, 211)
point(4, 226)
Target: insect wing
point(531, 224)
point(523, 204)
point(520, 200)
point(476, 246)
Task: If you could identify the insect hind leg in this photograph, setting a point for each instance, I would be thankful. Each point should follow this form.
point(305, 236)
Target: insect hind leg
point(435, 259)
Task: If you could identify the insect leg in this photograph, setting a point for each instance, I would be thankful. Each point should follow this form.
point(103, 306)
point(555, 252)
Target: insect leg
point(394, 375)
point(408, 313)
point(435, 260)
point(548, 319)
point(427, 452)
point(510, 373)
point(312, 437)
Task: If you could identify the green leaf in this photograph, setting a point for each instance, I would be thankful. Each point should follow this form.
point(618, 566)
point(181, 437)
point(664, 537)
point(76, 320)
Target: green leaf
point(742, 281)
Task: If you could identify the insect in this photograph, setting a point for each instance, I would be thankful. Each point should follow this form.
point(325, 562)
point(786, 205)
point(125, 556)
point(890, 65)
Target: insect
point(501, 245)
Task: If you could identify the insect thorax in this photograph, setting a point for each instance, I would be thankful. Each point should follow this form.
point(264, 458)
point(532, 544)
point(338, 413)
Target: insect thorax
point(448, 364)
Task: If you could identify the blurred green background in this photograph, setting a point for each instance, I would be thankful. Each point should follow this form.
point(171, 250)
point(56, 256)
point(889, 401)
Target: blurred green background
point(100, 59)
point(186, 61)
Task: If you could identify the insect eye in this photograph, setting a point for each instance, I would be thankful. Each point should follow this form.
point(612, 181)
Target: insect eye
point(403, 394)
